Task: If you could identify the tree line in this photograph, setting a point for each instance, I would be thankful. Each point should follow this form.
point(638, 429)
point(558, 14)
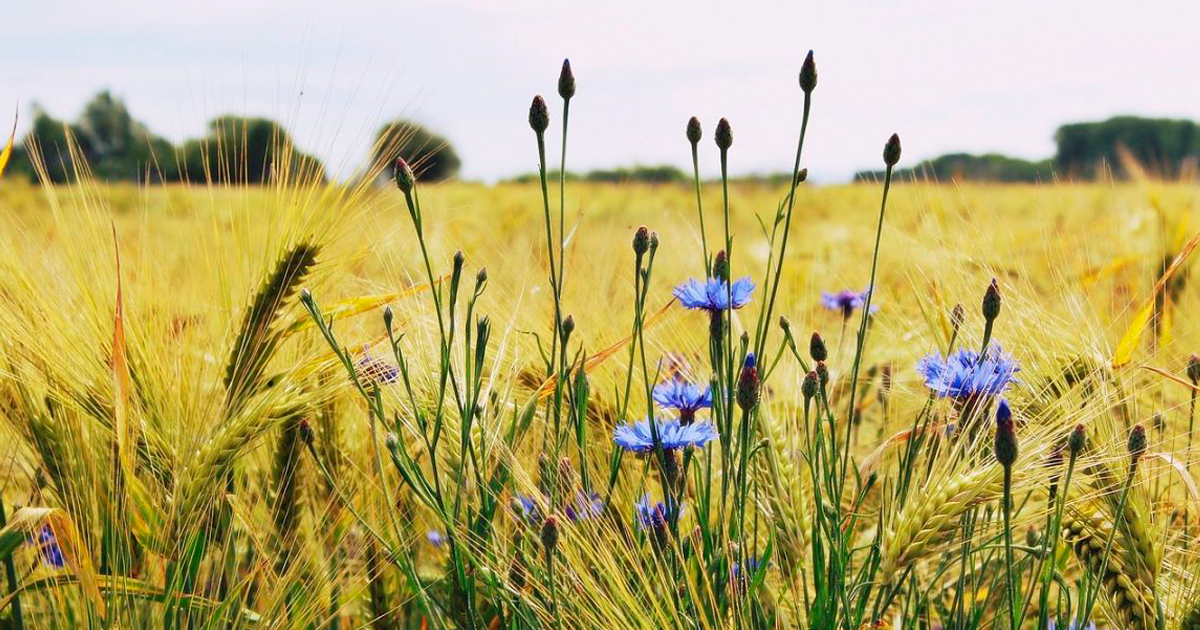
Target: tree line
point(113, 146)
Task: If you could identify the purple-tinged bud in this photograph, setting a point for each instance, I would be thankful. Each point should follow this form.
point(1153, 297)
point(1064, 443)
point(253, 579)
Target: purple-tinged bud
point(539, 115)
point(693, 130)
point(566, 81)
point(405, 180)
point(1006, 435)
point(808, 73)
point(891, 150)
point(306, 432)
point(822, 373)
point(1077, 441)
point(653, 242)
point(550, 531)
point(991, 302)
point(809, 386)
point(816, 347)
point(720, 268)
point(641, 240)
point(723, 135)
point(748, 384)
point(1137, 444)
point(1193, 369)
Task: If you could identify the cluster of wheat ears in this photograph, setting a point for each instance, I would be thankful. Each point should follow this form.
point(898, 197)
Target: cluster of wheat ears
point(299, 407)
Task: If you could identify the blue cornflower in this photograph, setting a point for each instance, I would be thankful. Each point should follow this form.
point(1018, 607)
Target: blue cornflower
point(47, 546)
point(585, 507)
point(376, 370)
point(672, 434)
point(735, 571)
point(1050, 625)
point(529, 509)
point(683, 396)
point(846, 301)
point(651, 515)
point(963, 375)
point(713, 294)
point(435, 538)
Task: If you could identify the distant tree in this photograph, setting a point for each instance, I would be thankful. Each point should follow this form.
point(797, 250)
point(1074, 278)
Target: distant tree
point(990, 167)
point(1162, 146)
point(431, 156)
point(246, 150)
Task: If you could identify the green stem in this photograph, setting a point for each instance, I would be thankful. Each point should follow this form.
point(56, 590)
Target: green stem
point(10, 570)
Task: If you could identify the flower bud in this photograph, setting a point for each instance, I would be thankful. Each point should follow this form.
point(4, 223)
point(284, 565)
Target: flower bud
point(784, 324)
point(1137, 443)
point(568, 326)
point(550, 533)
point(653, 242)
point(1077, 441)
point(748, 384)
point(405, 180)
point(891, 150)
point(306, 432)
point(539, 115)
point(481, 277)
point(809, 387)
point(566, 81)
point(816, 348)
point(808, 73)
point(1193, 369)
point(566, 474)
point(724, 135)
point(693, 130)
point(641, 240)
point(991, 302)
point(388, 317)
point(720, 268)
point(822, 373)
point(459, 259)
point(957, 316)
point(1006, 436)
point(801, 176)
point(306, 297)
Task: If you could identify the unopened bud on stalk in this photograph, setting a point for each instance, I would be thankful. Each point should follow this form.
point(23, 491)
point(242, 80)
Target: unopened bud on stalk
point(1193, 369)
point(1006, 435)
point(720, 268)
point(822, 373)
point(306, 432)
point(306, 297)
point(816, 348)
point(724, 135)
point(641, 240)
point(991, 302)
point(539, 115)
point(693, 130)
point(481, 277)
point(405, 180)
point(891, 150)
point(748, 384)
point(566, 474)
point(809, 386)
point(801, 176)
point(550, 533)
point(388, 317)
point(1077, 441)
point(566, 81)
point(459, 259)
point(784, 324)
point(808, 73)
point(568, 327)
point(1137, 444)
point(653, 242)
point(956, 317)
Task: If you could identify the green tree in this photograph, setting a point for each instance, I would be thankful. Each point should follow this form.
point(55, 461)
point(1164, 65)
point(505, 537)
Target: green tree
point(1159, 145)
point(431, 156)
point(246, 150)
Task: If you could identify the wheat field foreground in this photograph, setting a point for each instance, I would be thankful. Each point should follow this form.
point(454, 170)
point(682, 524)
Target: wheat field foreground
point(310, 405)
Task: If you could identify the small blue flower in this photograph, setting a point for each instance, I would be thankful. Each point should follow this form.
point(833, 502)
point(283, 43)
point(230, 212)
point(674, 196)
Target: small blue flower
point(530, 510)
point(1050, 625)
point(963, 375)
point(713, 294)
point(435, 538)
point(651, 515)
point(47, 546)
point(683, 396)
point(376, 370)
point(672, 434)
point(585, 507)
point(751, 563)
point(845, 302)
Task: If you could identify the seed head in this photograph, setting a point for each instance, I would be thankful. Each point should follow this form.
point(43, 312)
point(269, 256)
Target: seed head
point(539, 115)
point(1006, 435)
point(1193, 369)
point(566, 81)
point(641, 240)
point(1137, 443)
point(405, 180)
point(693, 130)
point(724, 135)
point(550, 533)
point(809, 386)
point(720, 268)
point(991, 302)
point(1077, 441)
point(808, 73)
point(891, 150)
point(816, 348)
point(748, 384)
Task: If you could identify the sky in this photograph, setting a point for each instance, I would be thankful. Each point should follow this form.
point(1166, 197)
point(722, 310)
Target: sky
point(947, 76)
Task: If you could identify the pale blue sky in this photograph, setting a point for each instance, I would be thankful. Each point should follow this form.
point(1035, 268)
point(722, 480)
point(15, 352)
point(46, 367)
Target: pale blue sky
point(974, 76)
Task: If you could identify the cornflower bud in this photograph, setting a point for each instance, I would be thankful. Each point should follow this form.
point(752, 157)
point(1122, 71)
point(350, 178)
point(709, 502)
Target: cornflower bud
point(723, 135)
point(566, 81)
point(405, 180)
point(693, 130)
point(539, 115)
point(816, 348)
point(891, 150)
